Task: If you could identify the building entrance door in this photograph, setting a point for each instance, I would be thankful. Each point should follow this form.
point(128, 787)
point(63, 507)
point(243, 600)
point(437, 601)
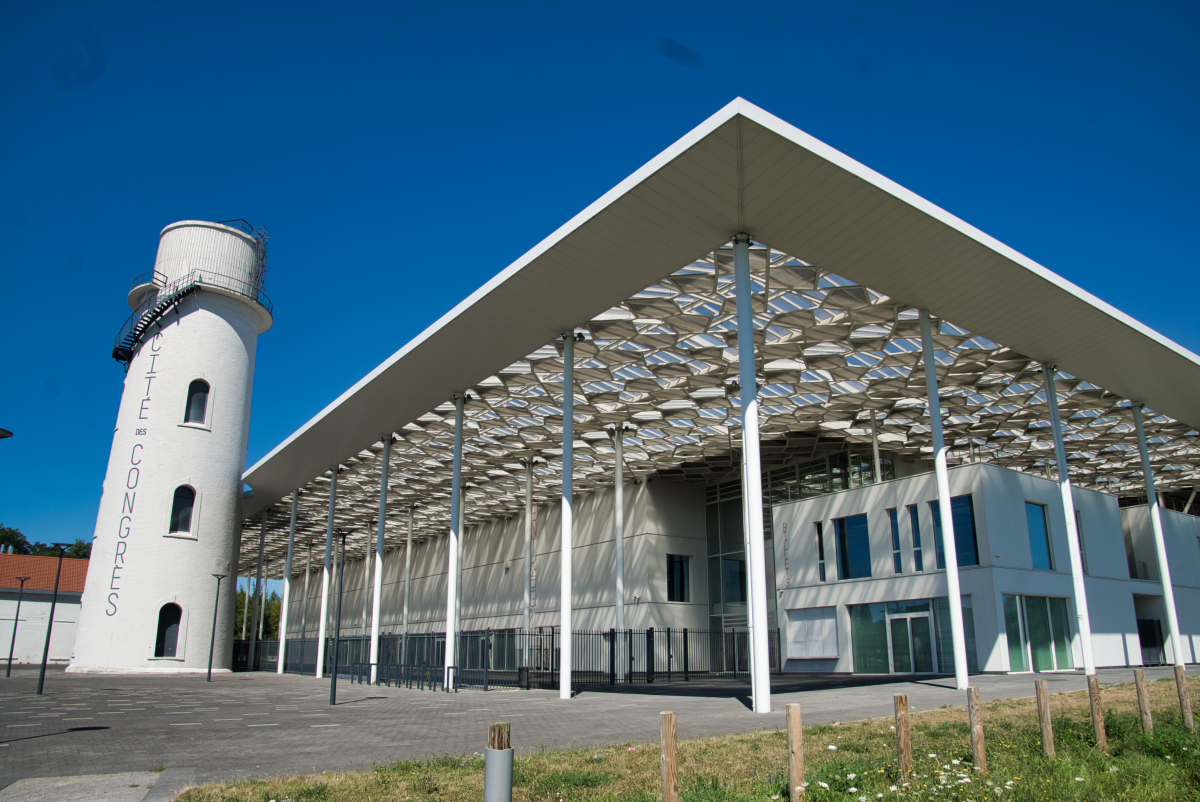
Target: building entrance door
point(910, 643)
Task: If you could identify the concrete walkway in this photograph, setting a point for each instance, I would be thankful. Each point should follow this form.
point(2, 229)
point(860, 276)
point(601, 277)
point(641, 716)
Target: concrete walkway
point(255, 725)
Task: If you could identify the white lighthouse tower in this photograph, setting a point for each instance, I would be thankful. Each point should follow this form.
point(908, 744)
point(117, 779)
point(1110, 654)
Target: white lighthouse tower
point(169, 515)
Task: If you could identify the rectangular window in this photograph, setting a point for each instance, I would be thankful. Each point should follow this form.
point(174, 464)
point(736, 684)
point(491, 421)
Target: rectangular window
point(733, 584)
point(812, 633)
point(945, 638)
point(897, 562)
point(820, 548)
point(1079, 534)
point(1039, 536)
point(853, 547)
point(679, 588)
point(962, 516)
point(915, 523)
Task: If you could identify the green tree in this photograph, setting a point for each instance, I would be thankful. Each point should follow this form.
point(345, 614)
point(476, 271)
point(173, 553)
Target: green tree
point(11, 536)
point(273, 609)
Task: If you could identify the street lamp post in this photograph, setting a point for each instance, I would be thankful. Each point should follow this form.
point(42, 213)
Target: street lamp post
point(212, 644)
point(337, 624)
point(62, 547)
point(16, 618)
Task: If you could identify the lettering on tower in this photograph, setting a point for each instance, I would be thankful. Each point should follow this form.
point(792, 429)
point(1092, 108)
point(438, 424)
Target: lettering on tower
point(132, 478)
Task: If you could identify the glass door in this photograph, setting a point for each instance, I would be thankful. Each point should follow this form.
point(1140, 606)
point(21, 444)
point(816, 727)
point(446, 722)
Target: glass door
point(910, 643)
point(1038, 633)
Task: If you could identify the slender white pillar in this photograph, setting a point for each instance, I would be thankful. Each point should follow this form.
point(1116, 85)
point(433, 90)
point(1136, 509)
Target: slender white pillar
point(528, 553)
point(949, 545)
point(367, 583)
point(384, 461)
point(568, 531)
point(453, 557)
point(875, 448)
point(1082, 618)
point(407, 577)
point(1191, 498)
point(619, 522)
point(255, 627)
point(333, 472)
point(287, 595)
point(1160, 543)
point(752, 497)
point(304, 605)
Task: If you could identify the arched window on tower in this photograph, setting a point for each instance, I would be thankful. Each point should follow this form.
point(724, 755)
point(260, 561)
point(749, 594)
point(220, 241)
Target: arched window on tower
point(168, 630)
point(197, 402)
point(181, 509)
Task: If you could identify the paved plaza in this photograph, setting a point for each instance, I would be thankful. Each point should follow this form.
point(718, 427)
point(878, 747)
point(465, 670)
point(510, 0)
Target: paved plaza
point(255, 725)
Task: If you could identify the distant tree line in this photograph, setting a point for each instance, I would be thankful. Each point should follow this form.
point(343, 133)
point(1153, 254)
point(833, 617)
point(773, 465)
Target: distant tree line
point(274, 608)
point(11, 536)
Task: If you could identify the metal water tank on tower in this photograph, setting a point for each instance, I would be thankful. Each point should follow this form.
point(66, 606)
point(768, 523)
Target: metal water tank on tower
point(171, 508)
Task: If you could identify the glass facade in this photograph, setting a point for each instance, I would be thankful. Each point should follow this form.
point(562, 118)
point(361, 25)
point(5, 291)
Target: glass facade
point(727, 592)
point(1038, 631)
point(911, 636)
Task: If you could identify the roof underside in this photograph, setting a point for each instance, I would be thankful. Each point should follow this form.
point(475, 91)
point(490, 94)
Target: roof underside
point(851, 257)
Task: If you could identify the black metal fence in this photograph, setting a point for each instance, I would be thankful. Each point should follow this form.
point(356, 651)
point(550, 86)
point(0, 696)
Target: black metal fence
point(515, 659)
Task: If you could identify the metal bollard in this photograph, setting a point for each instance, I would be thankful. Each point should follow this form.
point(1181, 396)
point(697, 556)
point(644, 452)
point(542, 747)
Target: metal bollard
point(498, 765)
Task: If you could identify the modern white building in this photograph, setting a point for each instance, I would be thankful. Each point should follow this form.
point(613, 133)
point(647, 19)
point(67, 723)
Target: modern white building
point(754, 388)
point(169, 515)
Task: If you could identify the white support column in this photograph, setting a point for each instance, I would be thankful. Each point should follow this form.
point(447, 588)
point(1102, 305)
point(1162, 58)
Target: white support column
point(568, 540)
point(367, 584)
point(752, 496)
point(619, 523)
point(255, 627)
point(1083, 619)
point(949, 546)
point(455, 539)
point(304, 606)
point(1191, 498)
point(407, 576)
point(385, 461)
point(287, 595)
point(333, 472)
point(528, 555)
point(875, 448)
point(1160, 544)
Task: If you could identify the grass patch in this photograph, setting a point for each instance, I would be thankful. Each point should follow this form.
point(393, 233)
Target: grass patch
point(1162, 766)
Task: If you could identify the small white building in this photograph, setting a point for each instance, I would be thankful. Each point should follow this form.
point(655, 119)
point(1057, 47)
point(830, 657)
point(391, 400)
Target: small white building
point(35, 599)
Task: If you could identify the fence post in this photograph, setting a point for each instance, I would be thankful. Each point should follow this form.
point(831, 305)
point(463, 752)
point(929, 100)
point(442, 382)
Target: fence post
point(487, 646)
point(795, 738)
point(978, 753)
point(668, 654)
point(1043, 704)
point(498, 765)
point(903, 739)
point(686, 669)
point(1097, 714)
point(612, 657)
point(1143, 695)
point(650, 654)
point(1185, 699)
point(670, 771)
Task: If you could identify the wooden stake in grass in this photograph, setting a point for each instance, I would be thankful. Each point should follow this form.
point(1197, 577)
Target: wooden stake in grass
point(498, 736)
point(1043, 703)
point(979, 756)
point(1143, 696)
point(903, 739)
point(795, 754)
point(1097, 713)
point(1185, 701)
point(670, 771)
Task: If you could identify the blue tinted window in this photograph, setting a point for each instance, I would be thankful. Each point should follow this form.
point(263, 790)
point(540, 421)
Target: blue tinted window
point(1039, 536)
point(962, 512)
point(853, 547)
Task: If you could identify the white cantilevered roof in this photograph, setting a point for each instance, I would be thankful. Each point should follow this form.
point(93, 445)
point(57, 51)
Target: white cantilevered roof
point(850, 254)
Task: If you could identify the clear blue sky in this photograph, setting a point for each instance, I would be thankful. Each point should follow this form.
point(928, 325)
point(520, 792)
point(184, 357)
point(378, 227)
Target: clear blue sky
point(401, 154)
